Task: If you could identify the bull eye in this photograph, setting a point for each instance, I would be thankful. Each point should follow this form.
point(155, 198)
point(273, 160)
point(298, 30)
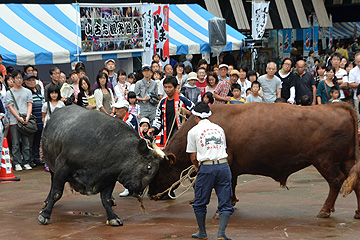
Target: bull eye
point(149, 167)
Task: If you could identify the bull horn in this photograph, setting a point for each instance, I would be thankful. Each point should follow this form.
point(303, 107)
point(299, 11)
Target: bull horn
point(158, 151)
point(149, 144)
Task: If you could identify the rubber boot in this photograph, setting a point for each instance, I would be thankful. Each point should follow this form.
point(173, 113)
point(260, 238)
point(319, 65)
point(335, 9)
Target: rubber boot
point(223, 221)
point(201, 234)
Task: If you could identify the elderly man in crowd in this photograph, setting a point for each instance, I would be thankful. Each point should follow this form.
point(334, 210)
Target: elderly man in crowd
point(271, 84)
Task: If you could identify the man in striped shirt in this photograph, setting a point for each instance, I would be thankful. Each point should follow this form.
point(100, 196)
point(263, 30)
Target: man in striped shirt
point(30, 83)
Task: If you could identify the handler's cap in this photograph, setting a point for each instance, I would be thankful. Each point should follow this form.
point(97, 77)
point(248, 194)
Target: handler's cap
point(146, 66)
point(110, 60)
point(223, 65)
point(201, 110)
point(29, 75)
point(235, 72)
point(144, 120)
point(121, 104)
point(192, 75)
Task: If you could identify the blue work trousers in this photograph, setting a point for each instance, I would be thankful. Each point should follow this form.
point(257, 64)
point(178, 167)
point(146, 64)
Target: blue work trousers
point(213, 176)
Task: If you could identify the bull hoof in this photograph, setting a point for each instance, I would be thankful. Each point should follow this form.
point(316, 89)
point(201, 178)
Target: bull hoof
point(114, 222)
point(357, 215)
point(43, 220)
point(323, 214)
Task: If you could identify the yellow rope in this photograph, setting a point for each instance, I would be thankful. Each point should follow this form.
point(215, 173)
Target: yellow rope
point(185, 175)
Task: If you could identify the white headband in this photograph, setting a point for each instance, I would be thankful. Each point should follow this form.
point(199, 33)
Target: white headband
point(201, 115)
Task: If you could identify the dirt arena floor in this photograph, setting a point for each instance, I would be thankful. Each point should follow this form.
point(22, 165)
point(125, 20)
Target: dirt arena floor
point(265, 211)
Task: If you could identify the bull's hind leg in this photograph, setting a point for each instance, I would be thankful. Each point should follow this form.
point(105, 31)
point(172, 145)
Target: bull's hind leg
point(107, 202)
point(335, 178)
point(58, 181)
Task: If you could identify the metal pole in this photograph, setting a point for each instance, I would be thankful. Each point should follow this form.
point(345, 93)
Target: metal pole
point(77, 31)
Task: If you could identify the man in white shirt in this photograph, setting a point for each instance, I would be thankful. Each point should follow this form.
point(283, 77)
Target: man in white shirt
point(354, 81)
point(206, 144)
point(339, 72)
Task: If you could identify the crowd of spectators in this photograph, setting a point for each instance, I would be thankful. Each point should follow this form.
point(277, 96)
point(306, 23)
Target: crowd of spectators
point(160, 95)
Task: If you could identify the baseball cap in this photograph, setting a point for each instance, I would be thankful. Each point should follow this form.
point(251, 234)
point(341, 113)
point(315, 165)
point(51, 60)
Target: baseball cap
point(29, 75)
point(121, 104)
point(144, 120)
point(223, 65)
point(110, 60)
point(145, 66)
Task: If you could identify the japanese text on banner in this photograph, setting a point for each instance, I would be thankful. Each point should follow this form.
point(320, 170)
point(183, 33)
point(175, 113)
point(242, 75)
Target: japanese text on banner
point(161, 33)
point(111, 28)
point(260, 11)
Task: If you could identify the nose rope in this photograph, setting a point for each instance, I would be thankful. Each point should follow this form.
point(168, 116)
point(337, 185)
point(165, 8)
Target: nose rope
point(140, 199)
point(185, 175)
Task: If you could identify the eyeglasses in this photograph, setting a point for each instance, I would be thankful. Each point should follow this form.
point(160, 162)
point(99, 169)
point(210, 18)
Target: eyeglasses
point(18, 77)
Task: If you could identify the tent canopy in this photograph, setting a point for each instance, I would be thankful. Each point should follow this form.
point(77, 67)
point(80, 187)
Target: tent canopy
point(38, 33)
point(189, 30)
point(50, 33)
point(342, 30)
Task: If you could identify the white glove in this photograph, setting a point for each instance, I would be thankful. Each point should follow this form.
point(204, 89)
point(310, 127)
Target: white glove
point(291, 100)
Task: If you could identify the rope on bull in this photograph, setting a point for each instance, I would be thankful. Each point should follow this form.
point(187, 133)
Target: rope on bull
point(185, 175)
point(189, 170)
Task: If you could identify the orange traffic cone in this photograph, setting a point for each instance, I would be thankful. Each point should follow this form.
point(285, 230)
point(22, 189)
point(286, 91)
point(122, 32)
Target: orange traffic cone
point(6, 172)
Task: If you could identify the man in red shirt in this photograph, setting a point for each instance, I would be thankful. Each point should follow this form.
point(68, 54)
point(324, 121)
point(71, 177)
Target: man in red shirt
point(2, 67)
point(201, 83)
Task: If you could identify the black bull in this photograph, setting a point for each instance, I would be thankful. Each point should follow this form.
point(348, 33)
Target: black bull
point(276, 140)
point(92, 151)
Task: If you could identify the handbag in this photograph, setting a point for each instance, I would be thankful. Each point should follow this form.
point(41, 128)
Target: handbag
point(154, 99)
point(25, 129)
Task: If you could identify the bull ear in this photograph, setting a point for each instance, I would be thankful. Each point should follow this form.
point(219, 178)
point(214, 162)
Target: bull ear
point(143, 147)
point(172, 158)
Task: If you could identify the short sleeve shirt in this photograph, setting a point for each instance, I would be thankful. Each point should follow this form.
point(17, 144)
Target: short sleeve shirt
point(208, 140)
point(354, 77)
point(23, 97)
point(269, 88)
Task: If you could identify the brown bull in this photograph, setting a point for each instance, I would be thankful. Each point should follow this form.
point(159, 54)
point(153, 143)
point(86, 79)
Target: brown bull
point(276, 140)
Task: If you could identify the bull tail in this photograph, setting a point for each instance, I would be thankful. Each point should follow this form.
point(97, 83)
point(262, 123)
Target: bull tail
point(353, 179)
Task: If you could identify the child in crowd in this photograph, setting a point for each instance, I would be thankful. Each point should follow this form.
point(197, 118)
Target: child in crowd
point(254, 96)
point(190, 90)
point(132, 81)
point(236, 98)
point(156, 58)
point(157, 77)
point(252, 76)
point(248, 92)
point(49, 107)
point(133, 108)
point(305, 100)
point(280, 100)
point(334, 93)
point(208, 98)
point(144, 128)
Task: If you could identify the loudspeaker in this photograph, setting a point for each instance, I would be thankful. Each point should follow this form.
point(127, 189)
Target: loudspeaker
point(217, 31)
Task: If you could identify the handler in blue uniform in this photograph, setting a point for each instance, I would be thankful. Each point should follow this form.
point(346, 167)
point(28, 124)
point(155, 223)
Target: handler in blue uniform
point(206, 144)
